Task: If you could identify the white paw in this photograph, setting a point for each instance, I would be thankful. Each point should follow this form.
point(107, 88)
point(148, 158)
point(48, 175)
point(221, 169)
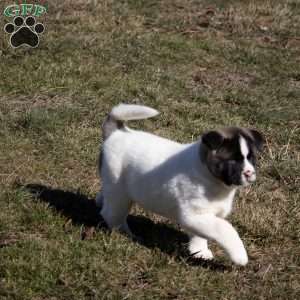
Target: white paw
point(240, 258)
point(205, 254)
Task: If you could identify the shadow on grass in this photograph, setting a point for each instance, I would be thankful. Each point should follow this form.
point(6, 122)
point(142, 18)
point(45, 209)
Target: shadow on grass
point(83, 211)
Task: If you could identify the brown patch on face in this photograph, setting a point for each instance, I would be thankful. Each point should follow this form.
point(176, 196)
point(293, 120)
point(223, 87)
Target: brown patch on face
point(252, 136)
point(257, 138)
point(222, 154)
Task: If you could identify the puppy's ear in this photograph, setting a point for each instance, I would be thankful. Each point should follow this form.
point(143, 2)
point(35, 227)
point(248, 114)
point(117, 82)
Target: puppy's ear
point(257, 139)
point(212, 139)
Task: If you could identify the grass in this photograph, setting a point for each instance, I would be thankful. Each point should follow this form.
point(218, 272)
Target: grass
point(202, 64)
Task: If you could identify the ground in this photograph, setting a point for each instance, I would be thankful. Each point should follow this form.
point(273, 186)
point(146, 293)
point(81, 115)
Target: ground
point(202, 64)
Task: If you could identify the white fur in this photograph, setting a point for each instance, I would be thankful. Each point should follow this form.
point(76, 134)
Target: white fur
point(126, 112)
point(199, 249)
point(167, 178)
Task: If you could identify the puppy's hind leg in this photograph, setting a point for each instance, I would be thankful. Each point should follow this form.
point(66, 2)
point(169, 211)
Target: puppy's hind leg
point(99, 199)
point(115, 210)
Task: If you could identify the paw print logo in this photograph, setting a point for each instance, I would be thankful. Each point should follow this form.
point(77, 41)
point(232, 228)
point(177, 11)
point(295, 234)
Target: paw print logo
point(24, 32)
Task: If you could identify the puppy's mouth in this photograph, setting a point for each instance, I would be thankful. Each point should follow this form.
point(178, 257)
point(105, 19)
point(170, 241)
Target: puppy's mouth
point(243, 182)
point(248, 180)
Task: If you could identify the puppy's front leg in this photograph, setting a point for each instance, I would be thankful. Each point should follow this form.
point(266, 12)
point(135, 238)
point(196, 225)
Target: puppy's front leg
point(198, 248)
point(212, 227)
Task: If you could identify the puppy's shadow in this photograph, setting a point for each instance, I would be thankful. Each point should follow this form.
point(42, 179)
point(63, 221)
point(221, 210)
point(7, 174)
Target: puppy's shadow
point(83, 211)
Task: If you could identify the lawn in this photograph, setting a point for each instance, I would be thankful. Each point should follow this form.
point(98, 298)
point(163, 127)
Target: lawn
point(203, 65)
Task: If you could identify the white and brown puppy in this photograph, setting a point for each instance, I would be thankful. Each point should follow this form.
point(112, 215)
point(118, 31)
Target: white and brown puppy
point(191, 184)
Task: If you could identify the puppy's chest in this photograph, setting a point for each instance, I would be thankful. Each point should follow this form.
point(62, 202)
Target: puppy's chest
point(203, 205)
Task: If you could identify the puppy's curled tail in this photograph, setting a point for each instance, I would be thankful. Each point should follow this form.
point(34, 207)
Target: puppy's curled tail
point(125, 112)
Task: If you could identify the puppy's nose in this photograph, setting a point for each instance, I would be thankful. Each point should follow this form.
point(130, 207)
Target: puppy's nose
point(248, 173)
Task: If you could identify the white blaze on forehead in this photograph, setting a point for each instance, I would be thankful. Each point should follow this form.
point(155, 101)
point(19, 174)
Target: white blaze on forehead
point(244, 147)
point(248, 167)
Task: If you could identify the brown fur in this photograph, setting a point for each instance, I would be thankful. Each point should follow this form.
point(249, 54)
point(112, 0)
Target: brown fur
point(110, 125)
point(221, 151)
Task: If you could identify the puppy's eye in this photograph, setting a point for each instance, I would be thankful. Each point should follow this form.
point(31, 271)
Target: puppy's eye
point(251, 157)
point(235, 159)
point(232, 161)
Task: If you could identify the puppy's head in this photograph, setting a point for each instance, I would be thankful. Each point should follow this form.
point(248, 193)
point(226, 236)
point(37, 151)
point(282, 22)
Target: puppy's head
point(230, 154)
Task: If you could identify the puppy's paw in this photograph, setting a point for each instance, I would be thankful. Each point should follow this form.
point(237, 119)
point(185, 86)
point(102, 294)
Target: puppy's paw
point(198, 248)
point(205, 254)
point(240, 257)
